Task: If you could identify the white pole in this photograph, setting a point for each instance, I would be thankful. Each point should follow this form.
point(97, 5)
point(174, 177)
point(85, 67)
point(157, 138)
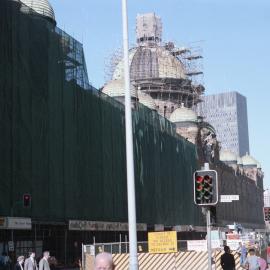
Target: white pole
point(209, 248)
point(133, 257)
point(82, 262)
point(208, 226)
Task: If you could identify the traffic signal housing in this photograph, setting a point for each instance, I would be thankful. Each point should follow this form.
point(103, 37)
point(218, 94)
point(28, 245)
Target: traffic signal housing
point(27, 200)
point(205, 187)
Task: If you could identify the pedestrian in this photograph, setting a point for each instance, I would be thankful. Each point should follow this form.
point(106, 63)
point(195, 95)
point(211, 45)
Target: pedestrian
point(227, 260)
point(268, 253)
point(257, 249)
point(5, 261)
point(52, 262)
point(262, 263)
point(104, 261)
point(78, 263)
point(43, 263)
point(252, 261)
point(30, 263)
point(242, 251)
point(19, 264)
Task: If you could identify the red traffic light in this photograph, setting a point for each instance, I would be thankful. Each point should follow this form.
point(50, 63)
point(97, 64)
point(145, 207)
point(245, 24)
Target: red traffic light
point(26, 200)
point(199, 179)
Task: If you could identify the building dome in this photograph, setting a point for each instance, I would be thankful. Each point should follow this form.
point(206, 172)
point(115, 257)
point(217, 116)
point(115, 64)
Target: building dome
point(259, 166)
point(227, 156)
point(116, 88)
point(183, 114)
point(42, 7)
point(151, 62)
point(146, 100)
point(249, 161)
point(239, 161)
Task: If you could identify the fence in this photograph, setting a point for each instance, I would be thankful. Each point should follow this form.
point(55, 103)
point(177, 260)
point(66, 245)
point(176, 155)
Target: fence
point(123, 247)
point(181, 260)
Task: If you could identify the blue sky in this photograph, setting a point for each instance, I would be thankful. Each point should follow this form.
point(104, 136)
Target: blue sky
point(234, 35)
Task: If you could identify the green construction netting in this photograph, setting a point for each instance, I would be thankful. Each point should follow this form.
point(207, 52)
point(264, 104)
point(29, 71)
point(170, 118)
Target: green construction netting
point(64, 143)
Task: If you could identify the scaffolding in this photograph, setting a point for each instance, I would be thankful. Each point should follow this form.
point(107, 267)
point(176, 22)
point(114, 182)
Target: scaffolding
point(73, 59)
point(170, 75)
point(191, 57)
point(111, 63)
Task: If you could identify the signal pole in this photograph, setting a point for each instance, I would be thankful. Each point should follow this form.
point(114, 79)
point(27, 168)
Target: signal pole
point(209, 247)
point(206, 195)
point(208, 227)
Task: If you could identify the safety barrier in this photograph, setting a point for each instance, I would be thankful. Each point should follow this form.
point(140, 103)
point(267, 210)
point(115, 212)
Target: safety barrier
point(187, 260)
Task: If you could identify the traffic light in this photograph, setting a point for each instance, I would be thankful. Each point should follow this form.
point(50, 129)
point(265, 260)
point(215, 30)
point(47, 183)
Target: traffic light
point(205, 187)
point(26, 200)
point(267, 213)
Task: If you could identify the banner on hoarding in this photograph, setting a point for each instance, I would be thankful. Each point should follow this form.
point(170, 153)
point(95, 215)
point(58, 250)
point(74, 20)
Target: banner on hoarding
point(19, 223)
point(159, 227)
point(15, 223)
point(84, 225)
point(201, 245)
point(233, 244)
point(197, 245)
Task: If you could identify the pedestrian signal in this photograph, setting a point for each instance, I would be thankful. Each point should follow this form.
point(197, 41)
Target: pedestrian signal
point(205, 187)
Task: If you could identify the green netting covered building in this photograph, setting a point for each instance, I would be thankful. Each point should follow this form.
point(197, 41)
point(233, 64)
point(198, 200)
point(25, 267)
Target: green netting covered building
point(63, 142)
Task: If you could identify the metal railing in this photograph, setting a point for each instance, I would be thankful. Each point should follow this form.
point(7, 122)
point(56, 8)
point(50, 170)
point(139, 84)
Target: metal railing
point(123, 247)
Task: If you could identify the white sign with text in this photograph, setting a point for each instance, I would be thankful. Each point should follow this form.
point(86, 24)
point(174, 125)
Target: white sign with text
point(18, 223)
point(229, 198)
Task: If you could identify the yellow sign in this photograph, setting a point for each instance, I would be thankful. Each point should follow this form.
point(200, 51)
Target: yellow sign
point(162, 242)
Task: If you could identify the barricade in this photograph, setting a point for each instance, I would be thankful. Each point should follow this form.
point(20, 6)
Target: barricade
point(182, 260)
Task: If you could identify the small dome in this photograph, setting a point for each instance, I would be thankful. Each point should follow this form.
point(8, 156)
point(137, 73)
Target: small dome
point(249, 161)
point(239, 161)
point(183, 114)
point(227, 156)
point(259, 166)
point(146, 100)
point(42, 7)
point(116, 88)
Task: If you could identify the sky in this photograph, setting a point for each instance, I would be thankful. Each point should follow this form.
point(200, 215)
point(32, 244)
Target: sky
point(234, 36)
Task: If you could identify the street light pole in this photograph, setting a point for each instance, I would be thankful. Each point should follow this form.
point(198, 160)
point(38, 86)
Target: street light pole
point(133, 257)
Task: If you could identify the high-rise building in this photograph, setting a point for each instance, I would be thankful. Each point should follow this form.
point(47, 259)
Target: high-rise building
point(227, 112)
point(266, 196)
